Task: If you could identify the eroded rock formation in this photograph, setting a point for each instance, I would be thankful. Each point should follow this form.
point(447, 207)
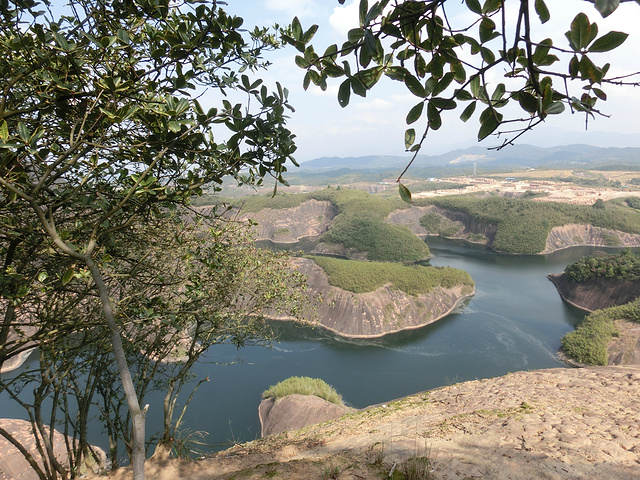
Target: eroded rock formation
point(296, 411)
point(377, 313)
point(597, 293)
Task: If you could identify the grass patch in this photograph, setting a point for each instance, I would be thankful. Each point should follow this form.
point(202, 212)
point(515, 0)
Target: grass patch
point(522, 226)
point(361, 277)
point(304, 386)
point(588, 342)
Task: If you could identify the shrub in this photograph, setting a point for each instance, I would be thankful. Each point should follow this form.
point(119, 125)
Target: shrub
point(588, 342)
point(303, 386)
point(622, 266)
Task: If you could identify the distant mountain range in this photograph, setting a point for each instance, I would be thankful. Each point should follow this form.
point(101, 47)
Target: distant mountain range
point(517, 156)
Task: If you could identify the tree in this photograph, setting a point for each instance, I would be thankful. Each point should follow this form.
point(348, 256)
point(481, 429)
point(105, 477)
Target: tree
point(101, 132)
point(184, 287)
point(446, 65)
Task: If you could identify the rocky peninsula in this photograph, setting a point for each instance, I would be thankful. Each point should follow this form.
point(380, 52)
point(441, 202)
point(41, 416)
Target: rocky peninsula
point(597, 293)
point(377, 313)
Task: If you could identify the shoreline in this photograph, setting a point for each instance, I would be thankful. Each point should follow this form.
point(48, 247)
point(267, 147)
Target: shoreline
point(459, 302)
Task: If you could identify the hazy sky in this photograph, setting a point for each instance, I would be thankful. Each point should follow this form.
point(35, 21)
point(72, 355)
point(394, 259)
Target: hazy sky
point(375, 125)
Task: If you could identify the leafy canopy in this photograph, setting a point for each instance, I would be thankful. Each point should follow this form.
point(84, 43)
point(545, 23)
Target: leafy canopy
point(450, 62)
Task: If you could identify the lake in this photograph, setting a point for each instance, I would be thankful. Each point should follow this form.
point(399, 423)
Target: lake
point(514, 322)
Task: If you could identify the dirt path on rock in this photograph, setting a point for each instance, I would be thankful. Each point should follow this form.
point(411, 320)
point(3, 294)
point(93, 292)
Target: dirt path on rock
point(549, 424)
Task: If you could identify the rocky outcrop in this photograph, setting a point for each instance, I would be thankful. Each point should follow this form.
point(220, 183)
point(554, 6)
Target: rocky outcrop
point(294, 412)
point(288, 225)
point(410, 217)
point(597, 293)
point(578, 235)
point(13, 464)
point(377, 313)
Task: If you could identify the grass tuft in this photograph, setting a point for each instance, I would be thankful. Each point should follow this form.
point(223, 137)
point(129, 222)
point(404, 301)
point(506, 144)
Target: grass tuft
point(304, 386)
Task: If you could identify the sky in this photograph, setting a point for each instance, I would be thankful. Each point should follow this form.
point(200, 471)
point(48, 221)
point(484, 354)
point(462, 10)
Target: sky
point(375, 125)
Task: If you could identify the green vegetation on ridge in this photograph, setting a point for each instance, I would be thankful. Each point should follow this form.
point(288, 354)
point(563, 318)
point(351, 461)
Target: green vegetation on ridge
point(361, 277)
point(588, 342)
point(622, 266)
point(522, 226)
point(360, 224)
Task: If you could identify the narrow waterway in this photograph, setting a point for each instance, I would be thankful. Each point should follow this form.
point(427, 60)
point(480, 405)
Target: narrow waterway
point(514, 322)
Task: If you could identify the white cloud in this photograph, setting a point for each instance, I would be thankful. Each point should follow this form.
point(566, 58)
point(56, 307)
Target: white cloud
point(293, 8)
point(344, 18)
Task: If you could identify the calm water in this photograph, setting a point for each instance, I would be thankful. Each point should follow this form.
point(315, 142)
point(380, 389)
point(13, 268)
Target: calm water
point(514, 322)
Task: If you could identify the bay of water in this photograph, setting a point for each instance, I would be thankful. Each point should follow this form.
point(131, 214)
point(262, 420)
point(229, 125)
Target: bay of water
point(514, 322)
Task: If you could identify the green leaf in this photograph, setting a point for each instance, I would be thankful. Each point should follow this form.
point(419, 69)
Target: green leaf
point(489, 121)
point(555, 108)
point(607, 7)
point(296, 30)
point(415, 113)
point(344, 93)
point(414, 85)
point(466, 114)
point(409, 137)
point(433, 115)
point(486, 28)
point(62, 42)
point(174, 126)
point(474, 6)
point(498, 93)
point(123, 36)
point(528, 102)
point(542, 11)
point(405, 193)
point(608, 42)
point(580, 32)
point(4, 130)
point(24, 132)
point(364, 8)
point(67, 276)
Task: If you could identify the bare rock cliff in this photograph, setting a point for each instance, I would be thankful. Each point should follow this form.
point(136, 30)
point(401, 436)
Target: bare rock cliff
point(410, 218)
point(577, 235)
point(294, 412)
point(288, 225)
point(595, 294)
point(378, 313)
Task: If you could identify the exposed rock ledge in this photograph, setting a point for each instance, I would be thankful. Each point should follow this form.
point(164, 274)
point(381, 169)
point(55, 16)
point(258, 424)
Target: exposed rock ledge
point(377, 313)
point(288, 225)
point(558, 238)
point(556, 424)
point(595, 294)
point(294, 412)
point(580, 235)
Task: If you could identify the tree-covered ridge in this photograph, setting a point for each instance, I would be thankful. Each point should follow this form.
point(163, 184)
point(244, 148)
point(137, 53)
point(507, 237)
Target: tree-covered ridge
point(362, 277)
point(360, 224)
point(522, 226)
point(588, 343)
point(623, 266)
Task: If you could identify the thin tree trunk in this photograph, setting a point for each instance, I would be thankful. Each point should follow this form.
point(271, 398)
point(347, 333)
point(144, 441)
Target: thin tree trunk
point(137, 414)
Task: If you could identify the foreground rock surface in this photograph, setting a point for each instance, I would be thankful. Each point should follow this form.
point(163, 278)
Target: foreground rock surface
point(294, 412)
point(557, 424)
point(14, 466)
